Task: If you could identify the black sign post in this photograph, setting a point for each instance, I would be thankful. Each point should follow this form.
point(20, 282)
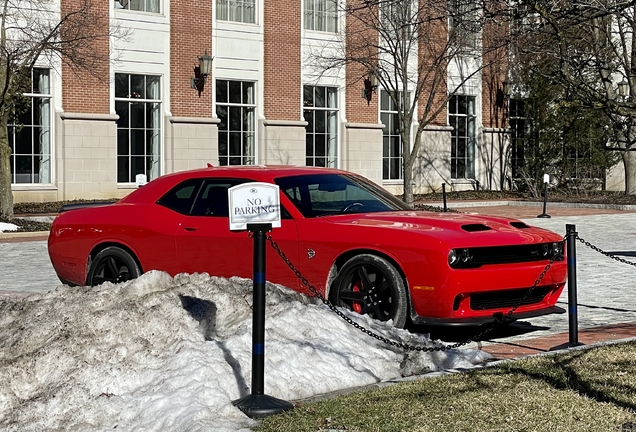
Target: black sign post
point(258, 404)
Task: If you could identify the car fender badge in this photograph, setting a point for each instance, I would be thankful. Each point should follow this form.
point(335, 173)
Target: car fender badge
point(311, 253)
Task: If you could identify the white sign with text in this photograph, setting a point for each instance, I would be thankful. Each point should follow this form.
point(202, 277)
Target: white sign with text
point(252, 203)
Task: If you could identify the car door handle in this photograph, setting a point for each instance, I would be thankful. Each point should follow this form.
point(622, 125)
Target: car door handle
point(190, 228)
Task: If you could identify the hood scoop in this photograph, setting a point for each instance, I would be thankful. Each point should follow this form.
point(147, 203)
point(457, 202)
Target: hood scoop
point(519, 224)
point(475, 227)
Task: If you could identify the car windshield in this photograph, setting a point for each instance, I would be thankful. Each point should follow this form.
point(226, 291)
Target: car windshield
point(328, 194)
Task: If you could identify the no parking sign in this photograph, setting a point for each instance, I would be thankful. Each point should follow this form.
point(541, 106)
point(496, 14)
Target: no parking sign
point(254, 203)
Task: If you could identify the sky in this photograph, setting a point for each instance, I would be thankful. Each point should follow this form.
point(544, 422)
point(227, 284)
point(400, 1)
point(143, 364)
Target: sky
point(161, 353)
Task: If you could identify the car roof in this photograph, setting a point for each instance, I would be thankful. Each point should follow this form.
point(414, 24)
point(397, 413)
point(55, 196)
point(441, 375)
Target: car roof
point(266, 173)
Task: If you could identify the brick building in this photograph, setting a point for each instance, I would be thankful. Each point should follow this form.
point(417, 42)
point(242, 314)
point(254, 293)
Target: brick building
point(260, 104)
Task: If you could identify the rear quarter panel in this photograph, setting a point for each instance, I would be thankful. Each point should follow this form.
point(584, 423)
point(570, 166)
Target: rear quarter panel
point(147, 230)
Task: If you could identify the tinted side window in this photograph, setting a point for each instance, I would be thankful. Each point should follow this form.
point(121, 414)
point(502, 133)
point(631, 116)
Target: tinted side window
point(213, 198)
point(181, 197)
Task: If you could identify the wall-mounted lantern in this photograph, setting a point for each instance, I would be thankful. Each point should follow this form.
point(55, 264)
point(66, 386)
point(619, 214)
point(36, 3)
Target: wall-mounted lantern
point(201, 72)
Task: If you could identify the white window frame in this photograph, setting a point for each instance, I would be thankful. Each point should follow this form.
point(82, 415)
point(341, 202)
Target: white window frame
point(469, 137)
point(311, 111)
point(390, 138)
point(247, 129)
point(43, 174)
point(225, 8)
point(152, 133)
point(321, 15)
point(139, 5)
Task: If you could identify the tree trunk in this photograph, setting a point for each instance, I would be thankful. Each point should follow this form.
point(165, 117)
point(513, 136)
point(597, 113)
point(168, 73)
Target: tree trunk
point(629, 163)
point(6, 196)
point(408, 180)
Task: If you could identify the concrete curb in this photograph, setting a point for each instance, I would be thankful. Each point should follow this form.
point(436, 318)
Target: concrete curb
point(22, 235)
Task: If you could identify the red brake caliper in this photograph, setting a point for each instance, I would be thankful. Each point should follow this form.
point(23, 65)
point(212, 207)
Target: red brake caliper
point(357, 306)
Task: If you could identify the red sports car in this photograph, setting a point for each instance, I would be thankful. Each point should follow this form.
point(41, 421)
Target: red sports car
point(359, 245)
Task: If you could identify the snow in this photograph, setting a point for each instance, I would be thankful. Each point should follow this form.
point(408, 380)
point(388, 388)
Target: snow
point(161, 353)
point(7, 227)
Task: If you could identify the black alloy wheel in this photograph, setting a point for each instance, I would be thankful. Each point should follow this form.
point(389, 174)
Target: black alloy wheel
point(370, 285)
point(113, 264)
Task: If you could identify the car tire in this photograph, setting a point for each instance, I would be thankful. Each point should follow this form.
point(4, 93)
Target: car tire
point(369, 284)
point(113, 264)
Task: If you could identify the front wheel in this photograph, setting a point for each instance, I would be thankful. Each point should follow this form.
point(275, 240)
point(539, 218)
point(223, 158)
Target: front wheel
point(369, 284)
point(113, 264)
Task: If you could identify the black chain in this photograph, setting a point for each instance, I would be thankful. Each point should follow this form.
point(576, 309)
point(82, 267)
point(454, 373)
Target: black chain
point(499, 318)
point(607, 254)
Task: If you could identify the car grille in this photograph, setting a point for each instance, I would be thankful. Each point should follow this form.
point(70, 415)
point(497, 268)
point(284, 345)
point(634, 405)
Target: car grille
point(507, 298)
point(506, 254)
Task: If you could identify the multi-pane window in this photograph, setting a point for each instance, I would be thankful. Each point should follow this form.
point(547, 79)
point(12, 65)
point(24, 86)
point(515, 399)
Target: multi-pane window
point(520, 135)
point(236, 10)
point(464, 23)
point(235, 108)
point(391, 139)
point(399, 17)
point(138, 104)
point(321, 15)
point(30, 133)
point(321, 114)
point(138, 5)
point(461, 117)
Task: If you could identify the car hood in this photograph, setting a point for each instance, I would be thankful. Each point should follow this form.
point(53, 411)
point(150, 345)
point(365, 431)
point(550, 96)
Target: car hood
point(456, 228)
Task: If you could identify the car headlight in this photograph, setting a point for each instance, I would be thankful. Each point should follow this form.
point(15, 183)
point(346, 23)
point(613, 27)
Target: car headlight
point(545, 249)
point(550, 250)
point(453, 258)
point(557, 249)
point(459, 257)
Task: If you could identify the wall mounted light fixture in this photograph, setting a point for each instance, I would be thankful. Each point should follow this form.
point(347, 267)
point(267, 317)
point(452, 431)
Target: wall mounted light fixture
point(623, 88)
point(201, 72)
point(507, 88)
point(370, 87)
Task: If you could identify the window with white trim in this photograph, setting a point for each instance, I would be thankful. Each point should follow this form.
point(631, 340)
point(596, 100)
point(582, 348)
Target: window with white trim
point(461, 117)
point(321, 15)
point(236, 108)
point(236, 10)
point(520, 125)
point(139, 5)
point(138, 105)
point(321, 133)
point(392, 161)
point(30, 133)
point(464, 26)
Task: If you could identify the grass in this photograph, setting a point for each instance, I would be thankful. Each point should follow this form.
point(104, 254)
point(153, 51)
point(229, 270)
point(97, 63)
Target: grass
point(581, 390)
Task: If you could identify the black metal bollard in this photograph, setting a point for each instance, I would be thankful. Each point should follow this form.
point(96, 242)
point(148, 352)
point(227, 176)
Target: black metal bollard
point(444, 196)
point(258, 404)
point(573, 324)
point(545, 201)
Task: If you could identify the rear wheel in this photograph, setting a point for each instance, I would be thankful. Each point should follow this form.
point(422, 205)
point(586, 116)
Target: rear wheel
point(370, 285)
point(113, 264)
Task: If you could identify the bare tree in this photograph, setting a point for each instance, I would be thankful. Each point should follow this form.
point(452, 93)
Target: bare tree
point(591, 48)
point(408, 46)
point(34, 32)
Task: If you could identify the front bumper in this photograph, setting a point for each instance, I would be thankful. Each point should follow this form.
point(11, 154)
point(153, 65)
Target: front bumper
point(475, 321)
